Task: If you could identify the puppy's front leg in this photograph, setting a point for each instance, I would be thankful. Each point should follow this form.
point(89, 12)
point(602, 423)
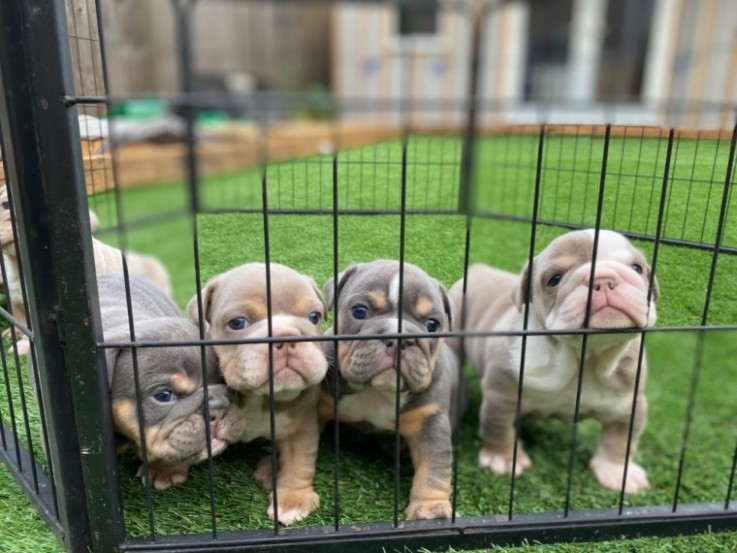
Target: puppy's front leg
point(294, 482)
point(607, 463)
point(427, 432)
point(496, 429)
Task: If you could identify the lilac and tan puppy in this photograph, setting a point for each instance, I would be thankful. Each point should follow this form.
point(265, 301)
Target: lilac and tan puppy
point(171, 388)
point(368, 303)
point(235, 306)
point(107, 260)
point(495, 301)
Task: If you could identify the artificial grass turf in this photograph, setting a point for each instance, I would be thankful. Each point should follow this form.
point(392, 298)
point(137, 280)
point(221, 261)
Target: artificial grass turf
point(369, 179)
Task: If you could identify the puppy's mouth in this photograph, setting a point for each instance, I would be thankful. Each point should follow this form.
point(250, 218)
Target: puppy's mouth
point(368, 367)
point(227, 429)
point(611, 317)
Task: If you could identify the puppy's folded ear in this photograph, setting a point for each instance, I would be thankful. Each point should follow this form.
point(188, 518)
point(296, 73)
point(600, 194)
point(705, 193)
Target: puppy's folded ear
point(207, 294)
point(447, 305)
point(118, 334)
point(655, 289)
point(520, 294)
point(331, 291)
point(319, 295)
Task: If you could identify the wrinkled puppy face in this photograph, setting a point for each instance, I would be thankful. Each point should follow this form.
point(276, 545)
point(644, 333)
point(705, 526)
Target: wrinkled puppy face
point(368, 303)
point(171, 394)
point(235, 307)
point(560, 286)
point(7, 240)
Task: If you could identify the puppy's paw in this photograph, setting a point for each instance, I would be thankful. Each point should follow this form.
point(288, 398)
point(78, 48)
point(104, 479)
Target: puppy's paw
point(428, 509)
point(263, 473)
point(293, 505)
point(502, 464)
point(609, 474)
point(22, 342)
point(164, 477)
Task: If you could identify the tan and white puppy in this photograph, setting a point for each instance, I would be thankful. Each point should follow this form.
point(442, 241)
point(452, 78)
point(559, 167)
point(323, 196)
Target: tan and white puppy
point(235, 307)
point(559, 284)
point(107, 260)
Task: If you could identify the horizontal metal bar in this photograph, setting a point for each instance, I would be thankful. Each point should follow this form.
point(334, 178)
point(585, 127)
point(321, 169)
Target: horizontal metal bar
point(16, 323)
point(418, 335)
point(275, 101)
point(43, 501)
point(466, 532)
point(629, 234)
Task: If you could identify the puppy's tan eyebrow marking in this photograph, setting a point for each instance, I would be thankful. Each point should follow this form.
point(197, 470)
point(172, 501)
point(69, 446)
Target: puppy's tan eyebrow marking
point(378, 299)
point(411, 422)
point(182, 384)
point(253, 308)
point(305, 302)
point(424, 306)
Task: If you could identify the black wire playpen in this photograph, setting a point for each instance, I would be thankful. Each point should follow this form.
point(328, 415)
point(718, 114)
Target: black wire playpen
point(486, 154)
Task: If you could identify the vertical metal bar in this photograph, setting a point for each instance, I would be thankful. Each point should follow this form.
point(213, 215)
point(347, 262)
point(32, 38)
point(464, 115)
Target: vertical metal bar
point(469, 137)
point(270, 333)
point(641, 353)
point(587, 317)
point(526, 316)
point(705, 316)
point(336, 368)
point(183, 12)
point(400, 309)
point(44, 165)
point(466, 200)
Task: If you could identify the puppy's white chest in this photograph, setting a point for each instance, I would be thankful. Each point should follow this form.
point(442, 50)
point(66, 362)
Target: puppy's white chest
point(372, 406)
point(258, 420)
point(556, 394)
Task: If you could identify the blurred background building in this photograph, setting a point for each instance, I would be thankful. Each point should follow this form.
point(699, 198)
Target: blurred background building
point(646, 61)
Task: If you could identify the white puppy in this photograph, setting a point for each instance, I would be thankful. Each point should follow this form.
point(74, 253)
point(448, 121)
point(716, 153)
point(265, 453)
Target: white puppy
point(107, 260)
point(559, 285)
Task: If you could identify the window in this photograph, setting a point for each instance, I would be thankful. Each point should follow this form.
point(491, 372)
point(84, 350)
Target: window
point(415, 19)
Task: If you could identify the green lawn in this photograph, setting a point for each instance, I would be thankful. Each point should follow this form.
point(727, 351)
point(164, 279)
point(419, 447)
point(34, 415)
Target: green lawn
point(369, 179)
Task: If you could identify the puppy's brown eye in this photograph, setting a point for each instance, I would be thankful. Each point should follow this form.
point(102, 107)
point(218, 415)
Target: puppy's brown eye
point(314, 317)
point(554, 280)
point(637, 268)
point(239, 323)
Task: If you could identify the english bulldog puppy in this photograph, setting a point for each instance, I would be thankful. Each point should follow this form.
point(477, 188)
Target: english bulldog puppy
point(369, 298)
point(170, 391)
point(107, 260)
point(235, 307)
point(559, 286)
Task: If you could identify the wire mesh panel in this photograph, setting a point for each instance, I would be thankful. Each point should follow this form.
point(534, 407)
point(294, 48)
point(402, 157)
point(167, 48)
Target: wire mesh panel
point(322, 180)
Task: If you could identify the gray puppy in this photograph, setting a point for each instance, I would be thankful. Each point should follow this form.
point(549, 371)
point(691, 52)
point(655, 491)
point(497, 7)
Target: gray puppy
point(368, 302)
point(559, 288)
point(170, 378)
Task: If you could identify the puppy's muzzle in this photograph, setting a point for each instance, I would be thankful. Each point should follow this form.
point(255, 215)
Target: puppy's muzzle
point(375, 362)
